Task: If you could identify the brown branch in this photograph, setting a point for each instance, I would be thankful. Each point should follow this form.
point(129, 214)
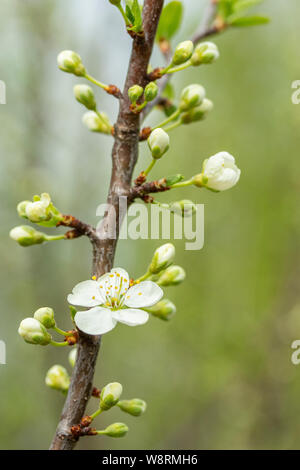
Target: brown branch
point(124, 157)
point(142, 190)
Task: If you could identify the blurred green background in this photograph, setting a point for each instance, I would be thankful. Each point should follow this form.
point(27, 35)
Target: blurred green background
point(219, 375)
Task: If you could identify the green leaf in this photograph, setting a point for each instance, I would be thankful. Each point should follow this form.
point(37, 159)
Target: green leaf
point(170, 21)
point(129, 14)
point(226, 8)
point(170, 180)
point(248, 21)
point(245, 5)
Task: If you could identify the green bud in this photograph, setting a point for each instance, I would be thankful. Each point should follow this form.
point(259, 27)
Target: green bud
point(115, 430)
point(72, 357)
point(134, 93)
point(45, 315)
point(58, 378)
point(205, 53)
point(151, 91)
point(115, 2)
point(159, 143)
point(172, 276)
point(134, 407)
point(33, 332)
point(183, 52)
point(70, 62)
point(200, 180)
point(40, 210)
point(110, 395)
point(185, 208)
point(191, 96)
point(162, 258)
point(95, 124)
point(27, 236)
point(198, 113)
point(164, 309)
point(21, 209)
point(85, 95)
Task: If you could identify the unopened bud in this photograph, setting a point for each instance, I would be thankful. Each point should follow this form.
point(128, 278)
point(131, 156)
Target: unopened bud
point(164, 309)
point(198, 113)
point(70, 62)
point(58, 378)
point(115, 2)
point(172, 276)
point(33, 332)
point(135, 92)
point(191, 96)
point(205, 53)
point(185, 208)
point(183, 52)
point(134, 407)
point(45, 315)
point(163, 257)
point(72, 357)
point(96, 124)
point(27, 236)
point(85, 95)
point(110, 395)
point(41, 209)
point(21, 209)
point(115, 430)
point(159, 143)
point(151, 91)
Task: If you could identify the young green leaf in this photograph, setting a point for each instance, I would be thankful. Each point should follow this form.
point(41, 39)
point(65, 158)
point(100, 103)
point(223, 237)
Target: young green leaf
point(242, 5)
point(170, 21)
point(248, 21)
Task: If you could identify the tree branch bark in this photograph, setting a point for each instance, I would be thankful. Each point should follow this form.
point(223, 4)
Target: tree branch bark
point(124, 157)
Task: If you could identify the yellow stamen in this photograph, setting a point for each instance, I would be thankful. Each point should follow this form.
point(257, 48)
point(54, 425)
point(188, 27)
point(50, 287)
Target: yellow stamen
point(94, 278)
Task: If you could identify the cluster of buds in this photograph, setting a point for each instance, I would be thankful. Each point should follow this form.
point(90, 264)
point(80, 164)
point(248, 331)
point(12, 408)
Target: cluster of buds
point(34, 330)
point(162, 271)
point(110, 397)
point(136, 92)
point(186, 55)
point(40, 211)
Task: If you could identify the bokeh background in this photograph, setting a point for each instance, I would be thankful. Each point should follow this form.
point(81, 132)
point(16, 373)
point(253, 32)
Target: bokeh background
point(219, 375)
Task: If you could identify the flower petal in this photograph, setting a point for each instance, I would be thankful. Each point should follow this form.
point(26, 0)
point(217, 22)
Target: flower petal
point(86, 294)
point(95, 321)
point(144, 294)
point(131, 316)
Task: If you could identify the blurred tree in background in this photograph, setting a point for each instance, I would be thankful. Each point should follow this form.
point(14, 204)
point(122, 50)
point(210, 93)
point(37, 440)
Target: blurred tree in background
point(219, 374)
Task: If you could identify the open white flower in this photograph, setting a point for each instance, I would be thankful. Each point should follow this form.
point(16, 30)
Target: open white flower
point(112, 300)
point(221, 171)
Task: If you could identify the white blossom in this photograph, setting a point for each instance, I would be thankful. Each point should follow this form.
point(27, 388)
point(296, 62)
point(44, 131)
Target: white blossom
point(110, 300)
point(221, 172)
